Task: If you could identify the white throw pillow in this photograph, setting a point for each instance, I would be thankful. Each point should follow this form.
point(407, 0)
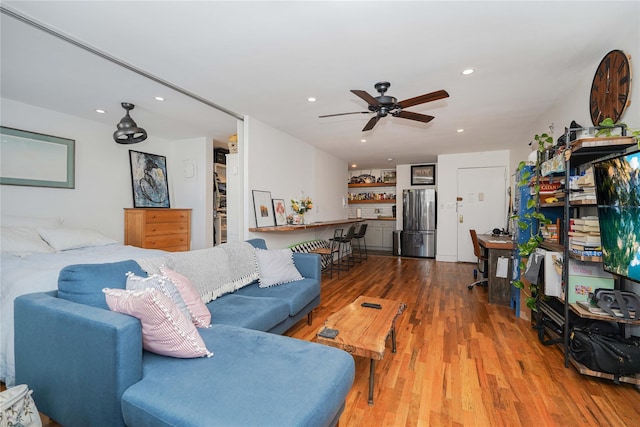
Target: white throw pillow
point(22, 241)
point(62, 239)
point(275, 267)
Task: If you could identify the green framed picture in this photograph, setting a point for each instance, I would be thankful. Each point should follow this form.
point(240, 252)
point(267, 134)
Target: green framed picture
point(36, 160)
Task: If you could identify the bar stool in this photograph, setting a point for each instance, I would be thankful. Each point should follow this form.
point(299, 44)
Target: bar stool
point(359, 236)
point(328, 254)
point(345, 249)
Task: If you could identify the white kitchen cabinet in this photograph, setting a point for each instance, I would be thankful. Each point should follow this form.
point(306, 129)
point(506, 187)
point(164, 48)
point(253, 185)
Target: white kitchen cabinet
point(380, 234)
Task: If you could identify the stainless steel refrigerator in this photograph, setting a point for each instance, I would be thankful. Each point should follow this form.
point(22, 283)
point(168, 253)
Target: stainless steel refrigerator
point(419, 223)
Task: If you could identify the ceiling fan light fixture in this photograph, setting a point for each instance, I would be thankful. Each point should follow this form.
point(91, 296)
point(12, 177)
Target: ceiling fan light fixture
point(128, 131)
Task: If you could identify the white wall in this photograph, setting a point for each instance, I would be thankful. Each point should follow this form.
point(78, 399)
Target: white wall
point(288, 167)
point(447, 181)
point(103, 175)
point(191, 172)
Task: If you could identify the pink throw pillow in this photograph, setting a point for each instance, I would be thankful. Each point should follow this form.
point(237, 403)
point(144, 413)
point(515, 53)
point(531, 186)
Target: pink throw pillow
point(200, 315)
point(165, 329)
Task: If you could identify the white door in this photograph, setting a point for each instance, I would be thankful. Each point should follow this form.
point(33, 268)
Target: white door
point(482, 205)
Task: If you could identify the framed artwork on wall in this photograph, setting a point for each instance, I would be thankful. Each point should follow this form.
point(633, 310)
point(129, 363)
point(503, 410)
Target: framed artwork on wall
point(263, 208)
point(423, 175)
point(389, 176)
point(280, 211)
point(36, 160)
point(149, 180)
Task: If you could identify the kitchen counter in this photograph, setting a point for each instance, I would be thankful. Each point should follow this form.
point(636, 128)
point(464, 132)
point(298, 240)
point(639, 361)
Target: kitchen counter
point(318, 224)
point(383, 218)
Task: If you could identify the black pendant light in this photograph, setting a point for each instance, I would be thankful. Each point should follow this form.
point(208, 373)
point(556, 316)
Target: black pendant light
point(128, 131)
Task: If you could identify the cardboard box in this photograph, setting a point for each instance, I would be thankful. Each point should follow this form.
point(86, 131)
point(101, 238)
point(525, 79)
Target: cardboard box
point(585, 277)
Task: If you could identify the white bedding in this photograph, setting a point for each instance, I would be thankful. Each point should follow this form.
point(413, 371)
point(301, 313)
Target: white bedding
point(38, 272)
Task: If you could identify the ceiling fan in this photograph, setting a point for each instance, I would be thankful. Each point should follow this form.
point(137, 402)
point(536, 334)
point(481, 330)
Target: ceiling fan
point(384, 104)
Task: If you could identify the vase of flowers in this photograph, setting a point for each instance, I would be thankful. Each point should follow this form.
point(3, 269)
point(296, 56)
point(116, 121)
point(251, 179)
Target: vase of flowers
point(299, 207)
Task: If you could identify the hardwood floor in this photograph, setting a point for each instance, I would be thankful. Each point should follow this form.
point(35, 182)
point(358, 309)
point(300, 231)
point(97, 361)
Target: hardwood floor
point(461, 361)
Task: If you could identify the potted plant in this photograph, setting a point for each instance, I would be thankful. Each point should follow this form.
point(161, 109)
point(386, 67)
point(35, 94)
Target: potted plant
point(607, 126)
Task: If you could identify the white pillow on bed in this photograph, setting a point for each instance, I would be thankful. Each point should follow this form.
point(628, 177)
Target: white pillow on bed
point(62, 239)
point(22, 241)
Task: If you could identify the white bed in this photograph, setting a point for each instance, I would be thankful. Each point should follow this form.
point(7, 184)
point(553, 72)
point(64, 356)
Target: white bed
point(24, 272)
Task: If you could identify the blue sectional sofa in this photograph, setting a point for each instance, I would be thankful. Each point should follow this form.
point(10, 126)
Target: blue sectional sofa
point(87, 367)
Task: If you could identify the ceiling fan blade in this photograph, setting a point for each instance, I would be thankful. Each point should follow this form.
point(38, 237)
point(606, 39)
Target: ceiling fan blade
point(371, 123)
point(367, 98)
point(344, 114)
point(427, 97)
point(414, 116)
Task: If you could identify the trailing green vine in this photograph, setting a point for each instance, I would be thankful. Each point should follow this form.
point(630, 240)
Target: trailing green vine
point(533, 220)
point(607, 126)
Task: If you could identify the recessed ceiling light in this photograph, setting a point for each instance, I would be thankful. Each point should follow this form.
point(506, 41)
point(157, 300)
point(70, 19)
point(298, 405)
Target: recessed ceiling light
point(460, 130)
point(468, 71)
point(389, 159)
point(159, 98)
point(311, 99)
point(354, 165)
point(363, 140)
point(99, 111)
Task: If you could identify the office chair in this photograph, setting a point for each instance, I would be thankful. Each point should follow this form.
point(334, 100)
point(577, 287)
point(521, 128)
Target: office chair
point(483, 262)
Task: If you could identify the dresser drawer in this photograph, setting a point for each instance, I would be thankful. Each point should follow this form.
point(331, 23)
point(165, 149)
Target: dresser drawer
point(152, 228)
point(166, 228)
point(159, 216)
point(166, 242)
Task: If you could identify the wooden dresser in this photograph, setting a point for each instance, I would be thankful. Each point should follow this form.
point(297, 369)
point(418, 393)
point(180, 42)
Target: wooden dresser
point(158, 228)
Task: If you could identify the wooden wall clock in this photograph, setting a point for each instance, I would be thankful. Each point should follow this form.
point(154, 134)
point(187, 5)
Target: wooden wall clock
point(610, 89)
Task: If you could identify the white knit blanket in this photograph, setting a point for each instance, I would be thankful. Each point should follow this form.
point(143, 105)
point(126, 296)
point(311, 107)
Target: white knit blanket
point(213, 271)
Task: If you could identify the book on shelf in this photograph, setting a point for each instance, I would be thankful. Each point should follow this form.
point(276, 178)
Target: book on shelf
point(591, 247)
point(586, 228)
point(586, 253)
point(592, 236)
point(585, 241)
point(586, 220)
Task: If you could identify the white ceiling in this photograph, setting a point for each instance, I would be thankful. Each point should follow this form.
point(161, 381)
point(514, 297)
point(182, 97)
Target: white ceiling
point(263, 59)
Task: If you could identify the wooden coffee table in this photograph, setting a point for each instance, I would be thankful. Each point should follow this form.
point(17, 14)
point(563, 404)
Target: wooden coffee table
point(363, 331)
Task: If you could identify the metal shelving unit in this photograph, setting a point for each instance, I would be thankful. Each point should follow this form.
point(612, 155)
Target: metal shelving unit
point(556, 311)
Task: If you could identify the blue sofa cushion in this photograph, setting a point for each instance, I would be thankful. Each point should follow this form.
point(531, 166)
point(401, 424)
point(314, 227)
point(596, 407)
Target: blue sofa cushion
point(261, 314)
point(83, 283)
point(297, 294)
point(254, 379)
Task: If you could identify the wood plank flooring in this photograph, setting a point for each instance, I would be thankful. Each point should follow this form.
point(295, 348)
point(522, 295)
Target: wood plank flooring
point(461, 361)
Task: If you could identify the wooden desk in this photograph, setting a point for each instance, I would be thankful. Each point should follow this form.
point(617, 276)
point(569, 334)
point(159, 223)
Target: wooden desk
point(496, 247)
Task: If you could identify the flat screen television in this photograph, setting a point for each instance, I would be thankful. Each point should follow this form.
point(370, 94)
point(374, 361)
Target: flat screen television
point(618, 194)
